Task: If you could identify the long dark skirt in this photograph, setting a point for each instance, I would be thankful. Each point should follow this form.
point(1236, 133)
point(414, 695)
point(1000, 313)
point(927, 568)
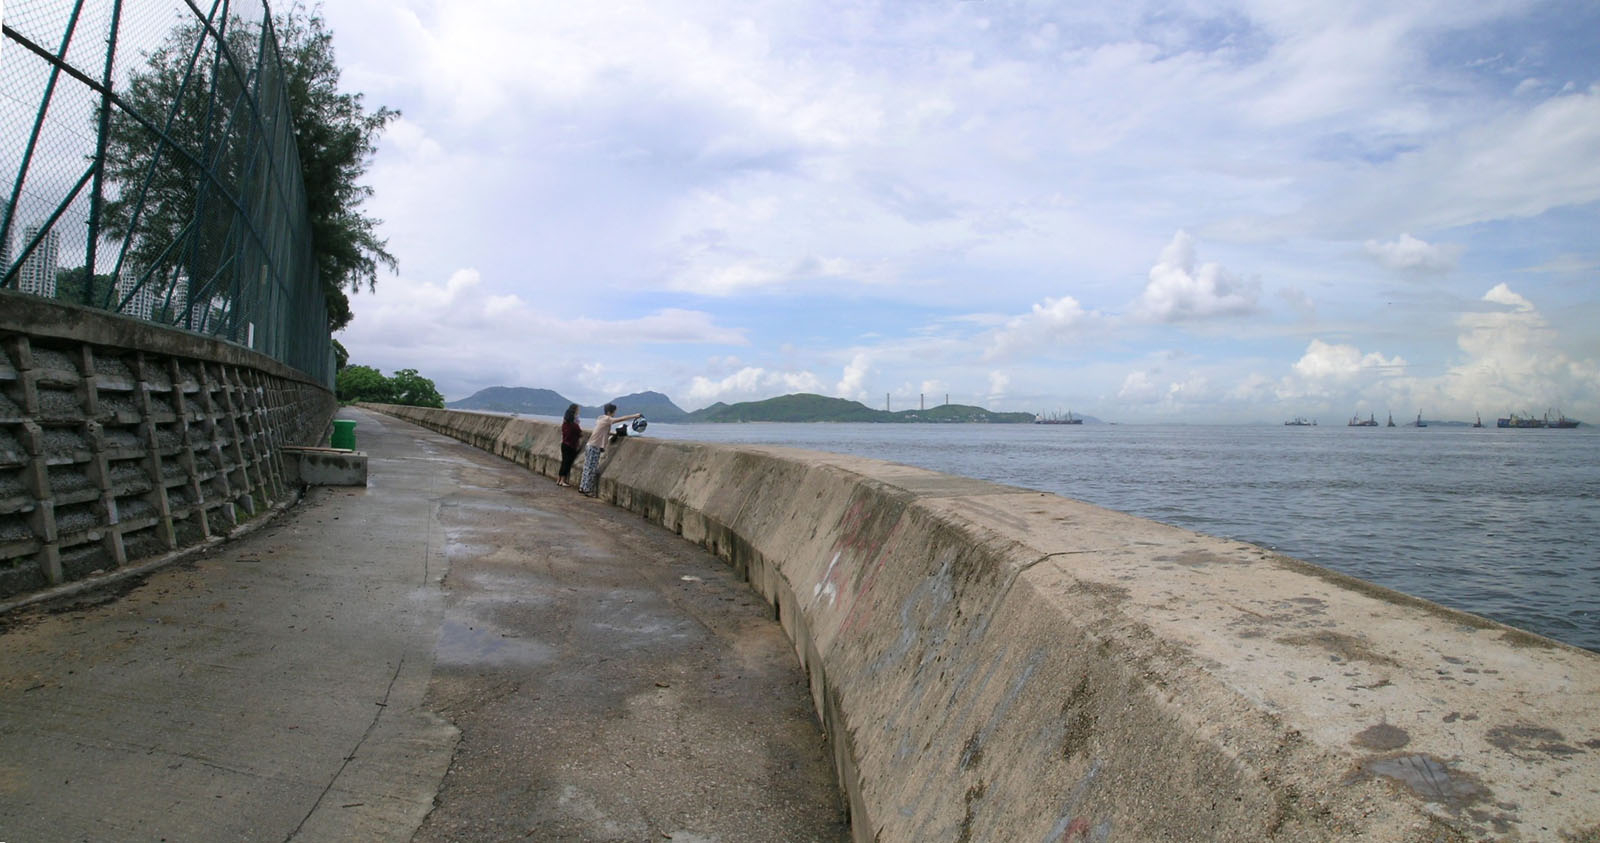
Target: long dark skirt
point(569, 455)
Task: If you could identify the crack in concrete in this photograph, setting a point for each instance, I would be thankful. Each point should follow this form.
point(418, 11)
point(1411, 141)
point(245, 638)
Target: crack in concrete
point(351, 755)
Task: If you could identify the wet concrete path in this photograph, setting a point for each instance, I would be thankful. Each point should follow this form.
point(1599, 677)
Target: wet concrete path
point(460, 651)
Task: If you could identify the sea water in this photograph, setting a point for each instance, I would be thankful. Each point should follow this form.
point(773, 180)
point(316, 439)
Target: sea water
point(1500, 523)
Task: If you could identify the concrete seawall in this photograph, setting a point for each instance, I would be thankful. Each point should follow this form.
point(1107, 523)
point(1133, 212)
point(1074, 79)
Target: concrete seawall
point(995, 663)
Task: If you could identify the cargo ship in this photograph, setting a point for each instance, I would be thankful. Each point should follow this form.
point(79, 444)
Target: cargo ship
point(1561, 422)
point(1357, 421)
point(1520, 422)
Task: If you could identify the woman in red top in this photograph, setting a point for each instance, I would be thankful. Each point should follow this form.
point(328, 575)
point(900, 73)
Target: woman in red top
point(570, 434)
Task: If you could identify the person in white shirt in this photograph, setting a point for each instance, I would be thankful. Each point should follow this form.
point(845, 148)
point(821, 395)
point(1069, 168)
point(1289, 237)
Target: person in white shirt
point(597, 446)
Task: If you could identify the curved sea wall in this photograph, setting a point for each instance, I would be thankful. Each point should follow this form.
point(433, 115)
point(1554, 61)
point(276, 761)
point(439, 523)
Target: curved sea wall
point(994, 663)
point(122, 439)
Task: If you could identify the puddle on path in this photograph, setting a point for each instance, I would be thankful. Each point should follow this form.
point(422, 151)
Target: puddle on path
point(485, 644)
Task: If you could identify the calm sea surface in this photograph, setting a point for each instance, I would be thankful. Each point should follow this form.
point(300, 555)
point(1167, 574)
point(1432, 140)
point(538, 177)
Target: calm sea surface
point(1501, 523)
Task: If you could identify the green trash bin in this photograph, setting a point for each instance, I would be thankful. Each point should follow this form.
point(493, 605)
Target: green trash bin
point(344, 434)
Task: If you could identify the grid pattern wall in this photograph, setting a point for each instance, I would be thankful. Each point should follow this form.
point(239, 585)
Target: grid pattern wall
point(108, 455)
point(148, 166)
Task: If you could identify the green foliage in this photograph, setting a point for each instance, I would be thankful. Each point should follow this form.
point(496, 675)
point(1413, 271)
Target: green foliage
point(415, 390)
point(364, 383)
point(69, 287)
point(341, 357)
point(804, 407)
point(161, 193)
point(180, 223)
point(336, 137)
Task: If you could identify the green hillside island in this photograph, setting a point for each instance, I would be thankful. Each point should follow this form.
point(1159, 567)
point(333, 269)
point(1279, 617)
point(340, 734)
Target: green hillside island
point(545, 402)
point(804, 407)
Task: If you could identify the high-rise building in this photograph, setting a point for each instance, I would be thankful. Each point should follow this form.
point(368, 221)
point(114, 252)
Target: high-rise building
point(141, 302)
point(38, 274)
point(5, 243)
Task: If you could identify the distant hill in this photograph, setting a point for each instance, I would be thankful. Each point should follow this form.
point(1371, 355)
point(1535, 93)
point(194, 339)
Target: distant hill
point(545, 402)
point(654, 405)
point(801, 407)
point(514, 399)
point(805, 407)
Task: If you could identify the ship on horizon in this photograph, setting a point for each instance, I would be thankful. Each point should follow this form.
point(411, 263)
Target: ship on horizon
point(1527, 422)
point(1053, 418)
point(1356, 421)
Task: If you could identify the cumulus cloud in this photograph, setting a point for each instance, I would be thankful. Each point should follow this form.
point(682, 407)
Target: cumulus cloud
point(1052, 321)
point(1183, 289)
point(999, 382)
point(852, 383)
point(1511, 360)
point(1165, 394)
point(1327, 362)
point(1408, 254)
point(751, 383)
point(747, 162)
point(408, 323)
point(1139, 387)
point(1514, 362)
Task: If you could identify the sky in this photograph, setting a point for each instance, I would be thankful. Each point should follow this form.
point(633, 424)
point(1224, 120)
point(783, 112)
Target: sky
point(1197, 212)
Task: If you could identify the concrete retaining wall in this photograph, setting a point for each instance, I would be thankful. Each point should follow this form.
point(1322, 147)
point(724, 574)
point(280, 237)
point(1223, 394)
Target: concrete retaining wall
point(122, 439)
point(993, 663)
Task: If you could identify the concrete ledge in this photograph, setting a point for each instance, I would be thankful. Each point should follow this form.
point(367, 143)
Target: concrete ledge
point(324, 466)
point(994, 663)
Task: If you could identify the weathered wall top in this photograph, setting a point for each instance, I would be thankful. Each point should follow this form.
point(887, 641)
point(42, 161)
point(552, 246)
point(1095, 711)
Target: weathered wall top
point(997, 663)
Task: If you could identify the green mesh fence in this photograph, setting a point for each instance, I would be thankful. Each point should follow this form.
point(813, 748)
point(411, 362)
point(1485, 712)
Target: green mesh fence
point(148, 166)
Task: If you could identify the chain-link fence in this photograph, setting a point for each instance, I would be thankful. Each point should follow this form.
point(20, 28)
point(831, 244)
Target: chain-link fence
point(148, 166)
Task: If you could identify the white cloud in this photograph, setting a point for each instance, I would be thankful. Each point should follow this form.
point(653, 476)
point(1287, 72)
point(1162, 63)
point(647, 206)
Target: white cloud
point(999, 382)
point(1181, 289)
point(1524, 160)
point(418, 324)
point(1253, 389)
point(1409, 254)
point(731, 166)
point(1326, 362)
point(1053, 321)
point(750, 384)
point(852, 383)
point(1139, 388)
point(1178, 394)
point(1514, 363)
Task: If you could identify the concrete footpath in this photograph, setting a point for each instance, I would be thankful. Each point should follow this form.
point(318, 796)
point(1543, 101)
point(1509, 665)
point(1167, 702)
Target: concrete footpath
point(459, 651)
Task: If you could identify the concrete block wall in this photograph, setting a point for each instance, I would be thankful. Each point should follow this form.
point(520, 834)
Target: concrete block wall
point(120, 439)
point(993, 663)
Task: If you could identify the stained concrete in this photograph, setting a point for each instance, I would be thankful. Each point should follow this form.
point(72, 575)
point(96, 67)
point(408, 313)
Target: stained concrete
point(316, 466)
point(995, 663)
point(458, 651)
